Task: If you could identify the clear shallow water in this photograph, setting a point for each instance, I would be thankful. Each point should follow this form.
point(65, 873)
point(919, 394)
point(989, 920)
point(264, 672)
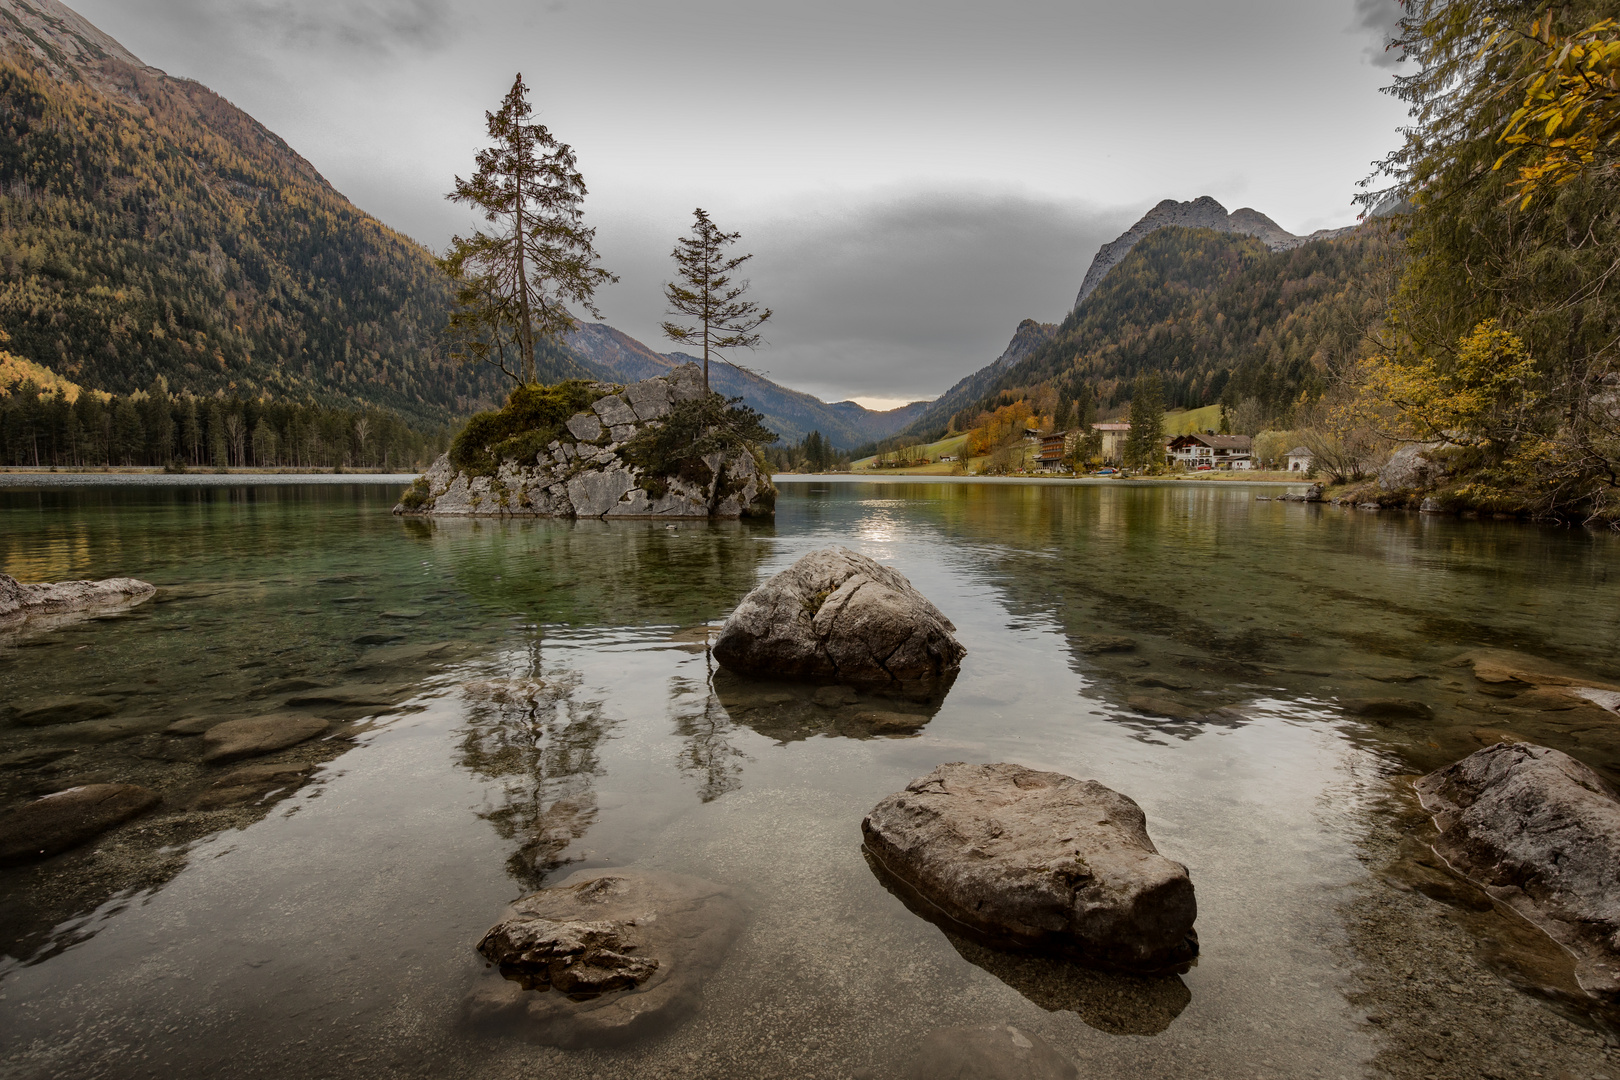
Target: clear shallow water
point(326, 928)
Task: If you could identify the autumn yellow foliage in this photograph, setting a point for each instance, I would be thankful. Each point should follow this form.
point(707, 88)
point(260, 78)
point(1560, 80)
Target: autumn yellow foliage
point(1570, 117)
point(14, 369)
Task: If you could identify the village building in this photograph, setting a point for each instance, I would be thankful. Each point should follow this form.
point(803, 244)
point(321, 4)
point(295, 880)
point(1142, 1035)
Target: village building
point(1113, 440)
point(1214, 451)
point(1056, 448)
point(1300, 459)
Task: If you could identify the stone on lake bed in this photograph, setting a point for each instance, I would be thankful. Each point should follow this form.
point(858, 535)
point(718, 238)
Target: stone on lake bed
point(193, 725)
point(250, 783)
point(68, 818)
point(347, 695)
point(1388, 709)
point(1040, 861)
point(604, 957)
point(837, 614)
point(988, 1052)
point(67, 709)
point(258, 735)
point(1540, 832)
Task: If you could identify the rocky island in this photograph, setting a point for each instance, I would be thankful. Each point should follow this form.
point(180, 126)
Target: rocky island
point(661, 448)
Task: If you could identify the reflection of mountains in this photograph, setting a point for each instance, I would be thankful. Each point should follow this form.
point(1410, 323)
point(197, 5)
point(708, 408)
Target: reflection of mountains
point(789, 711)
point(1117, 1003)
point(598, 573)
point(543, 745)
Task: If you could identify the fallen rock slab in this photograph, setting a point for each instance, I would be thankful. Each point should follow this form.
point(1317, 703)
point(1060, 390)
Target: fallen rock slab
point(66, 819)
point(604, 957)
point(1038, 860)
point(990, 1052)
point(251, 783)
point(837, 614)
point(1540, 832)
point(258, 735)
point(19, 600)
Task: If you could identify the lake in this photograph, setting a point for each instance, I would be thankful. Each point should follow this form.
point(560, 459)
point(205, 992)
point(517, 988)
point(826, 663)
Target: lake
point(323, 923)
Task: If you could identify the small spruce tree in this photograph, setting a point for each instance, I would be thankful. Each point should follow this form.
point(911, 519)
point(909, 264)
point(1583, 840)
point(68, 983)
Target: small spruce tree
point(716, 313)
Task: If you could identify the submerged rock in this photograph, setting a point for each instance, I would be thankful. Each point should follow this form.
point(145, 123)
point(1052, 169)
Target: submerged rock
point(836, 614)
point(68, 818)
point(605, 956)
point(18, 601)
point(1038, 860)
point(1388, 709)
point(258, 735)
point(1539, 831)
point(990, 1052)
point(66, 709)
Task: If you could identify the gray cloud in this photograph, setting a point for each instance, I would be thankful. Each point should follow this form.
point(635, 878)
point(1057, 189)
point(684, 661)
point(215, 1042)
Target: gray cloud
point(840, 137)
point(886, 295)
point(1382, 19)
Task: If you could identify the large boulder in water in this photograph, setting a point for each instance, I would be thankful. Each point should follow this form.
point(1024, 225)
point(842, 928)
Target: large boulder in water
point(605, 956)
point(837, 614)
point(1038, 860)
point(1539, 831)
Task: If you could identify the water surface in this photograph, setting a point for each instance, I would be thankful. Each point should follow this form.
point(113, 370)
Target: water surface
point(325, 925)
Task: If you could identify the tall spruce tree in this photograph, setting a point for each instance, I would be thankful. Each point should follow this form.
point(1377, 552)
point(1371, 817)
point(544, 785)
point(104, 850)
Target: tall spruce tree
point(705, 295)
point(1144, 446)
point(515, 282)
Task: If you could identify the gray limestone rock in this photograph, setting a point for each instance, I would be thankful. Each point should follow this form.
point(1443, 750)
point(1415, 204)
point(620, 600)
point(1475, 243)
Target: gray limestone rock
point(989, 1052)
point(258, 735)
point(55, 823)
point(583, 479)
point(685, 383)
point(1409, 467)
point(837, 614)
point(1040, 861)
point(594, 494)
point(1539, 831)
point(614, 410)
point(604, 957)
point(649, 398)
point(19, 600)
point(585, 426)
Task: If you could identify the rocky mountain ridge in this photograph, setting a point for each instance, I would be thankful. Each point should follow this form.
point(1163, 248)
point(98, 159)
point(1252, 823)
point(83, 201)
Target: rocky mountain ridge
point(1203, 212)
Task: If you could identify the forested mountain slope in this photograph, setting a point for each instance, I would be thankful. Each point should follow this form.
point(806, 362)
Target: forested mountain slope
point(1219, 315)
point(148, 227)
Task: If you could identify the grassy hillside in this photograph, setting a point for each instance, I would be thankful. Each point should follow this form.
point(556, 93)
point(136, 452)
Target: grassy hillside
point(148, 227)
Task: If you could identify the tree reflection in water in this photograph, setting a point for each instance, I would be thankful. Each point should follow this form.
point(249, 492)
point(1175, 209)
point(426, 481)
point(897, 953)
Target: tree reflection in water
point(542, 743)
point(705, 728)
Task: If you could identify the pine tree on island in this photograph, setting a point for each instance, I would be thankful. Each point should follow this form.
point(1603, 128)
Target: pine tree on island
point(716, 313)
point(513, 283)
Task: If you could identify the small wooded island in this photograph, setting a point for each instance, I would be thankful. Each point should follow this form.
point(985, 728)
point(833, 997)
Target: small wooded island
point(664, 447)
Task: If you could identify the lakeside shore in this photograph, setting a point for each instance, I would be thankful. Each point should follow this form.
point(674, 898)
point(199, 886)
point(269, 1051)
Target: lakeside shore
point(152, 476)
point(946, 478)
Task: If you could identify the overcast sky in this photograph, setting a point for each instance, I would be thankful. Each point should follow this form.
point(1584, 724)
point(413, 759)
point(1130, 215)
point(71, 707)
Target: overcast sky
point(913, 177)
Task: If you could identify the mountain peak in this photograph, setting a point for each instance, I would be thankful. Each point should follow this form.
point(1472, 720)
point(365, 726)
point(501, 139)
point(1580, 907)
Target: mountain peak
point(1203, 212)
point(68, 45)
